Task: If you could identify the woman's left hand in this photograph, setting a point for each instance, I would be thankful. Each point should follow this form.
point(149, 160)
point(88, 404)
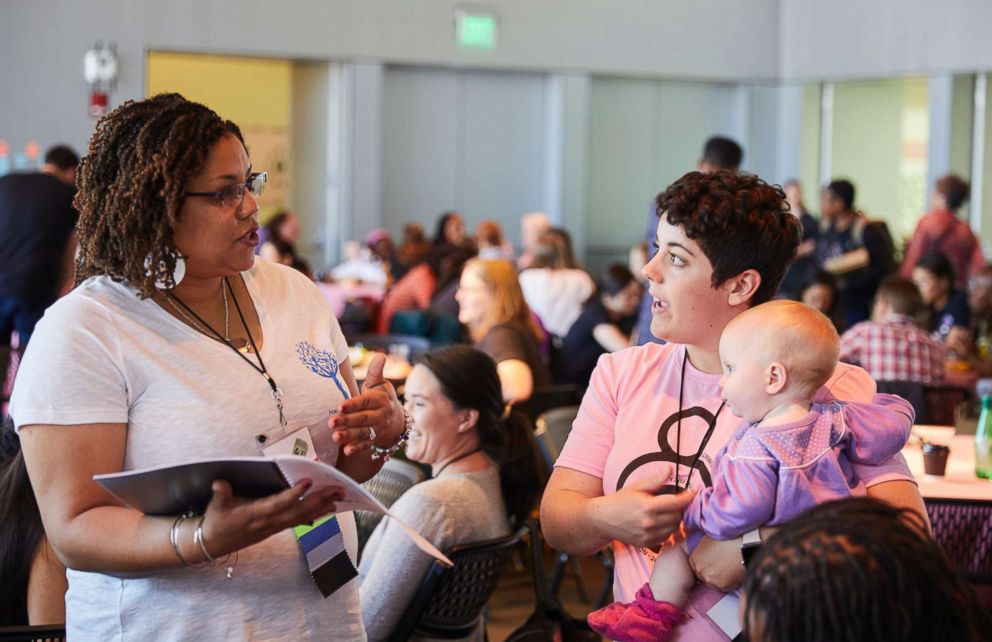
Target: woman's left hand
point(718, 563)
point(377, 407)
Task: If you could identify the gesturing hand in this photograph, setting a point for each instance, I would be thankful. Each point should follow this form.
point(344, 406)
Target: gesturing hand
point(377, 406)
point(635, 515)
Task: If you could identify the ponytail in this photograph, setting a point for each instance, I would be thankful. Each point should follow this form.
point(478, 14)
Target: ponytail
point(513, 449)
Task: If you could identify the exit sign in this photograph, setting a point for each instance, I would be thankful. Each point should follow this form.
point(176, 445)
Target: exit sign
point(475, 29)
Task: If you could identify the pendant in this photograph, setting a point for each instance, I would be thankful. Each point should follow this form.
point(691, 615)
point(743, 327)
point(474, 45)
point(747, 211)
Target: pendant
point(241, 345)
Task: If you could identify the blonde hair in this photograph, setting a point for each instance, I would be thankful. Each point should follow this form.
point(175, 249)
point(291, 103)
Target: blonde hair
point(797, 335)
point(506, 298)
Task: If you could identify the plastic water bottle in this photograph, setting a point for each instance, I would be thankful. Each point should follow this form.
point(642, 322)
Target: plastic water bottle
point(983, 432)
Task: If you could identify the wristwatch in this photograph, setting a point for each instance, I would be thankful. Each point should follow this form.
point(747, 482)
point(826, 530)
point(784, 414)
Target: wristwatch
point(750, 544)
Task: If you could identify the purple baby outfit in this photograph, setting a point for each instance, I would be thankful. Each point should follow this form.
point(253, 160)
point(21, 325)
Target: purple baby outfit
point(768, 476)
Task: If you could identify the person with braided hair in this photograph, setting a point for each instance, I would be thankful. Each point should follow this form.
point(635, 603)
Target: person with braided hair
point(33, 586)
point(176, 344)
point(857, 569)
point(653, 419)
point(485, 478)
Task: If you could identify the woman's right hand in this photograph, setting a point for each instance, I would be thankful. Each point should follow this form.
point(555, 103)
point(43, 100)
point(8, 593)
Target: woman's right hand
point(635, 515)
point(232, 523)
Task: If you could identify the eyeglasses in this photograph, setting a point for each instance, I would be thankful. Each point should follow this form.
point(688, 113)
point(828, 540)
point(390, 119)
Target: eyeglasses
point(234, 194)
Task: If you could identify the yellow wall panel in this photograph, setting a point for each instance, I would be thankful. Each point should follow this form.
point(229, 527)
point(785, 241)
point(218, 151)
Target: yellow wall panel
point(249, 91)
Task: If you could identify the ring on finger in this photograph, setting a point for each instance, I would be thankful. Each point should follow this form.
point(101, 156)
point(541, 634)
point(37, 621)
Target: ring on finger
point(371, 434)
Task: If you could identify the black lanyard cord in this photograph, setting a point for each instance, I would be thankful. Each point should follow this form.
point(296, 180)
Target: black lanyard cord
point(260, 368)
point(678, 429)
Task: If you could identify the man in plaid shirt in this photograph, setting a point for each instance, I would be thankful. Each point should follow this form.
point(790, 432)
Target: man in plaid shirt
point(891, 347)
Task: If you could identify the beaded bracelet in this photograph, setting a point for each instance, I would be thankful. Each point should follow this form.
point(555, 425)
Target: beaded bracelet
point(386, 453)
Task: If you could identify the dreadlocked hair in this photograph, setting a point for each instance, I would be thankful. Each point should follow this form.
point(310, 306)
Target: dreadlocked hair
point(857, 569)
point(131, 184)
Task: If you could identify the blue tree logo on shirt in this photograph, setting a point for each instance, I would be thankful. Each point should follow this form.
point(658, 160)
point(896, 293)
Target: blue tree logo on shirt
point(321, 362)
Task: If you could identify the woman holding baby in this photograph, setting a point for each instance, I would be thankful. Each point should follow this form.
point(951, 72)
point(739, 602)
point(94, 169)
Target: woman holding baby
point(653, 417)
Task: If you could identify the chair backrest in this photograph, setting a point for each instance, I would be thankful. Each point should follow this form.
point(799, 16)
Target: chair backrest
point(911, 391)
point(551, 431)
point(449, 603)
point(940, 403)
point(963, 531)
point(44, 633)
point(393, 479)
point(548, 397)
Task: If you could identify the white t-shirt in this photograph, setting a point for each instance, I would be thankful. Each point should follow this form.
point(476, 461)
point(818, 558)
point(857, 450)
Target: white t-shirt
point(102, 355)
point(556, 296)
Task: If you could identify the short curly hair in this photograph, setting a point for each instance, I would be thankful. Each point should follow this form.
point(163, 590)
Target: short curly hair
point(131, 184)
point(740, 222)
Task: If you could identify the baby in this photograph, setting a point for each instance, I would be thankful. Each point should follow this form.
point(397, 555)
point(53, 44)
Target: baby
point(788, 455)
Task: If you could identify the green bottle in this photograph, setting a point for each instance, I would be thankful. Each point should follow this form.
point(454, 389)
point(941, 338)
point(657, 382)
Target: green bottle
point(983, 432)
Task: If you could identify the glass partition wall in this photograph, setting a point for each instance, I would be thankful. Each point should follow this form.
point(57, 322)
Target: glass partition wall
point(880, 135)
point(893, 138)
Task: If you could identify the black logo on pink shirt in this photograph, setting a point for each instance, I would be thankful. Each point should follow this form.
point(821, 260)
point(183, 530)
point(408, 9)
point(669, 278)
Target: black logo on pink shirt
point(668, 454)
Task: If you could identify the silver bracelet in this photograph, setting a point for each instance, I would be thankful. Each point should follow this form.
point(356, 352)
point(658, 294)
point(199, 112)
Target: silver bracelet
point(386, 453)
point(198, 541)
point(174, 539)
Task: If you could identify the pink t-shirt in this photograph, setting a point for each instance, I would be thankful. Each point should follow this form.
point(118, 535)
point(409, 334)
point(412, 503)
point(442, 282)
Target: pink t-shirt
point(627, 430)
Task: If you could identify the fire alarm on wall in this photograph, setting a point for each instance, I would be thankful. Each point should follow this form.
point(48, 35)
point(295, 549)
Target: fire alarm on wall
point(100, 71)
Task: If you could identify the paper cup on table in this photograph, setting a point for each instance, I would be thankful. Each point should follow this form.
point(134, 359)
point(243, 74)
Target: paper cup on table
point(935, 458)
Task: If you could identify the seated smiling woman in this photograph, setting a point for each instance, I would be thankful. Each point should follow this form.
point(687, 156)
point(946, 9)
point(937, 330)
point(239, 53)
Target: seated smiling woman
point(178, 344)
point(485, 479)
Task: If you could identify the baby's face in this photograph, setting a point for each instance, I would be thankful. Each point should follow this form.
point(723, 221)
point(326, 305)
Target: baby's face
point(743, 381)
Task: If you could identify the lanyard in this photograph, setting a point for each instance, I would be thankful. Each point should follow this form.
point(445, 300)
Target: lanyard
point(260, 368)
point(678, 429)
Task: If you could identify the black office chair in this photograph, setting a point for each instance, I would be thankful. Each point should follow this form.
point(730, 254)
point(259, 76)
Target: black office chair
point(44, 633)
point(549, 621)
point(393, 479)
point(551, 431)
point(911, 391)
point(548, 397)
point(450, 602)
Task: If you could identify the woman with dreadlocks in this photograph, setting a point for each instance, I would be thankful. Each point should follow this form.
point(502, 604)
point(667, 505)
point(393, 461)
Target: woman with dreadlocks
point(177, 344)
point(857, 569)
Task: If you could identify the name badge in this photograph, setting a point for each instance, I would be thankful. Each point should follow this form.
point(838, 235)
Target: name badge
point(322, 543)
